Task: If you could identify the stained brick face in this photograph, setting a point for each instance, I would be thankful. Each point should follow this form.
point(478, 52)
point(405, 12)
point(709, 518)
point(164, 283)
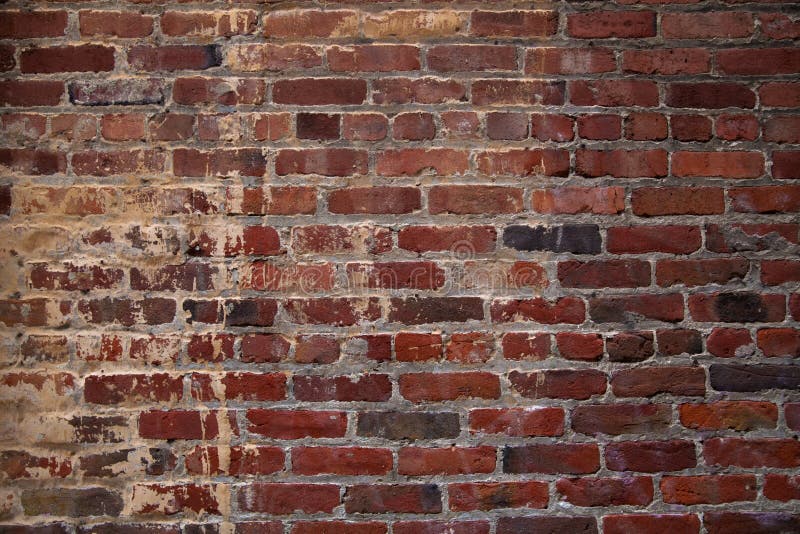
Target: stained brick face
point(404, 266)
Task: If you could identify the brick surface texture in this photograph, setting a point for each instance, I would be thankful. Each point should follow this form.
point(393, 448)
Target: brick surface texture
point(399, 267)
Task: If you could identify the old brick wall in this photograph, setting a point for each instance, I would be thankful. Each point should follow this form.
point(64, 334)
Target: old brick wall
point(409, 267)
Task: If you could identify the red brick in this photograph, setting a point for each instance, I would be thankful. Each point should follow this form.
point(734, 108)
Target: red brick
point(364, 388)
point(735, 415)
point(650, 381)
point(655, 201)
point(577, 346)
point(474, 199)
point(19, 465)
point(32, 24)
point(646, 127)
point(373, 58)
point(394, 275)
point(600, 126)
point(518, 422)
point(763, 452)
point(417, 90)
point(630, 346)
point(333, 527)
point(471, 347)
point(296, 424)
point(364, 126)
point(569, 60)
point(209, 23)
point(413, 24)
point(524, 162)
point(700, 272)
point(711, 95)
point(112, 162)
point(559, 384)
point(115, 24)
point(765, 199)
point(236, 461)
point(617, 419)
point(779, 94)
point(122, 127)
point(430, 387)
point(512, 126)
point(413, 126)
point(183, 424)
point(417, 161)
point(272, 57)
point(636, 491)
point(567, 310)
point(622, 163)
point(375, 200)
point(7, 61)
point(513, 23)
point(737, 307)
point(753, 62)
point(321, 126)
point(324, 161)
point(642, 239)
point(319, 91)
point(549, 127)
point(737, 128)
point(650, 456)
point(608, 24)
point(573, 200)
point(286, 498)
point(604, 273)
point(471, 58)
point(778, 26)
point(310, 23)
point(691, 127)
point(393, 498)
point(612, 93)
point(721, 522)
point(729, 342)
point(706, 25)
point(413, 347)
point(490, 496)
point(241, 91)
point(335, 311)
point(263, 348)
point(171, 127)
point(642, 523)
point(31, 92)
point(459, 124)
point(170, 58)
point(82, 58)
point(517, 92)
point(458, 239)
point(417, 461)
point(781, 487)
point(341, 460)
point(323, 239)
point(722, 164)
point(708, 489)
point(670, 61)
point(132, 388)
point(546, 458)
point(169, 499)
point(239, 386)
point(524, 346)
point(779, 342)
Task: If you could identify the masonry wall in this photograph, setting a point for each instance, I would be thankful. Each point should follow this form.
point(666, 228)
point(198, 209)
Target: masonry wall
point(399, 267)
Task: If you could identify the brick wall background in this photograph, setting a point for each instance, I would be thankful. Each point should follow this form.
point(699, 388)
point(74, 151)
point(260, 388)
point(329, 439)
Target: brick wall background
point(399, 267)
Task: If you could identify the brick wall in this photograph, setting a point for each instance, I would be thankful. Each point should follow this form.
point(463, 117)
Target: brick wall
point(408, 267)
